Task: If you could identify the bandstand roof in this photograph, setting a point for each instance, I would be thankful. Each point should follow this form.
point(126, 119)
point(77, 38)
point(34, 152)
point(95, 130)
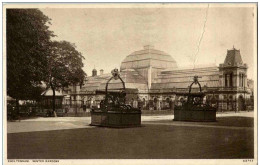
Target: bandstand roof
point(49, 92)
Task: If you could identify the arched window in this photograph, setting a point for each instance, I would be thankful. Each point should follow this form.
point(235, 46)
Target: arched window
point(242, 80)
point(231, 80)
point(230, 97)
point(226, 81)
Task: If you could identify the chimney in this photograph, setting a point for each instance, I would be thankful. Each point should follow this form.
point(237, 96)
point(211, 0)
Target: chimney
point(94, 72)
point(101, 71)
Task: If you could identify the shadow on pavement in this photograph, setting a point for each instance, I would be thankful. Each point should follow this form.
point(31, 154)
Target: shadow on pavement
point(234, 121)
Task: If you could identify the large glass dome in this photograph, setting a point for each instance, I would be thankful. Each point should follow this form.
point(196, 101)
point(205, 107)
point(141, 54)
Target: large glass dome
point(148, 57)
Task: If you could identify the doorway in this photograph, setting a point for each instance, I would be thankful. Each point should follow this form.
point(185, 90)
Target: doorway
point(241, 103)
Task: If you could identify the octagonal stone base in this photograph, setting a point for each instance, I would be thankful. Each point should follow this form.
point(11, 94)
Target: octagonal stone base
point(116, 119)
point(194, 115)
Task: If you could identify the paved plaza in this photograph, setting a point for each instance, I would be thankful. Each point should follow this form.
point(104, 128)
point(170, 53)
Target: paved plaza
point(232, 136)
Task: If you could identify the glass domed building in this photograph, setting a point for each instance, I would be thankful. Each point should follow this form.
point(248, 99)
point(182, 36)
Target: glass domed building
point(154, 80)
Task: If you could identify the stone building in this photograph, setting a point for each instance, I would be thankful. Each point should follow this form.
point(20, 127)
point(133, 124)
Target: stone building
point(154, 81)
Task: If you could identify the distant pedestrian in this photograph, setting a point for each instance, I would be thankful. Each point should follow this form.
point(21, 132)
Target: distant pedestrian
point(135, 104)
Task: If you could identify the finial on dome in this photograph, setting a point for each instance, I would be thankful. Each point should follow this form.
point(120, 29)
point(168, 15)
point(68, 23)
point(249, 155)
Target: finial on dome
point(148, 47)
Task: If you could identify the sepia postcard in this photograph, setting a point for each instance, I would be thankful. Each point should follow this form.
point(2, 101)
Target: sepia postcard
point(130, 83)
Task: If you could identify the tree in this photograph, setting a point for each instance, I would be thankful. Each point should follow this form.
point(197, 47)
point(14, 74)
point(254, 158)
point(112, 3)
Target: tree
point(28, 37)
point(64, 66)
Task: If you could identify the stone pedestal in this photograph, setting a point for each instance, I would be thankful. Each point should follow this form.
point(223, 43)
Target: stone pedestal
point(194, 115)
point(116, 119)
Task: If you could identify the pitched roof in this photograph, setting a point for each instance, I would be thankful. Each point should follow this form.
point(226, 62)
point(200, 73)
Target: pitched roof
point(182, 78)
point(49, 92)
point(9, 98)
point(131, 78)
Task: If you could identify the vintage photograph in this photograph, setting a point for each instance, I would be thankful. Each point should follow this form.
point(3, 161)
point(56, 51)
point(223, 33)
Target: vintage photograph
point(135, 81)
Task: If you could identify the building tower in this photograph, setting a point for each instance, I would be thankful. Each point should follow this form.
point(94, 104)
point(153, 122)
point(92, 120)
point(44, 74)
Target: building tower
point(101, 71)
point(94, 72)
point(233, 81)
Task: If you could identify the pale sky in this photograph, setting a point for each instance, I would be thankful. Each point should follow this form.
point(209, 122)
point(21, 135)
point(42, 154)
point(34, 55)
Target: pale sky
point(105, 36)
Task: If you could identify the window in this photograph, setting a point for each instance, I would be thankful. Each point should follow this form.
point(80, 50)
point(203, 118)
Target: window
point(74, 87)
point(225, 97)
point(242, 80)
point(226, 82)
point(231, 80)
